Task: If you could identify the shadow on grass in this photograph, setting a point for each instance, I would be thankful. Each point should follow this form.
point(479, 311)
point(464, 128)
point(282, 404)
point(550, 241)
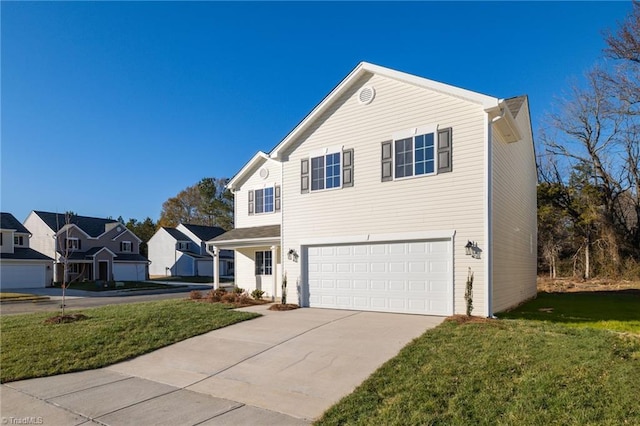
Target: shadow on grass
point(584, 308)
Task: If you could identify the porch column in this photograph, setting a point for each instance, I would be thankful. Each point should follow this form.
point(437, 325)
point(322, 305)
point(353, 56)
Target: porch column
point(216, 267)
point(274, 270)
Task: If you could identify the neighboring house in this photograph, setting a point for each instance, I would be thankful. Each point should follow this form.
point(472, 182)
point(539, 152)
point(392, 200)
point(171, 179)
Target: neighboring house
point(387, 196)
point(20, 265)
point(95, 248)
point(182, 251)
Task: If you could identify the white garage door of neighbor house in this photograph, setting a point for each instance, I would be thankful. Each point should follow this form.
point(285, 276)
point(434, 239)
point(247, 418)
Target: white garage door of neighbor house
point(22, 276)
point(128, 272)
point(406, 277)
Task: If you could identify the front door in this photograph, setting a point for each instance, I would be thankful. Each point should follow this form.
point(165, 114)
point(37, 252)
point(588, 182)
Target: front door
point(103, 271)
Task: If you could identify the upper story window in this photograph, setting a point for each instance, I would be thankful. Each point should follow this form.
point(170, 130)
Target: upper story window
point(328, 169)
point(264, 200)
point(414, 156)
point(126, 246)
point(325, 172)
point(18, 240)
point(425, 153)
point(182, 245)
point(73, 243)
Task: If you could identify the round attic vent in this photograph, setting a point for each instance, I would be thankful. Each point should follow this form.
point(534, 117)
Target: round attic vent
point(264, 173)
point(366, 95)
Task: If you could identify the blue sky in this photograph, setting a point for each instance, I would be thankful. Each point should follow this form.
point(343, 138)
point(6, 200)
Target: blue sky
point(110, 108)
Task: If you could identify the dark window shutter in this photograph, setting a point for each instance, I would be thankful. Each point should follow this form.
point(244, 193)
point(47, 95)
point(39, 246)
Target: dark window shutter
point(387, 161)
point(120, 245)
point(79, 244)
point(444, 150)
point(304, 176)
point(347, 167)
point(250, 196)
point(276, 198)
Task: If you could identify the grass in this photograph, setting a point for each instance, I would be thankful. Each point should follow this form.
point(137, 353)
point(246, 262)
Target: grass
point(561, 365)
point(128, 285)
point(606, 310)
point(513, 372)
point(111, 334)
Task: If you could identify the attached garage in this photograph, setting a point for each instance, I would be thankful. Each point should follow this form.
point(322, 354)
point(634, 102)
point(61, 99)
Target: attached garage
point(129, 271)
point(22, 276)
point(414, 277)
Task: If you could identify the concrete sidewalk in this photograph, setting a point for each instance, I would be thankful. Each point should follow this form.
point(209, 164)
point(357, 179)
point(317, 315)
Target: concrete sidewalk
point(284, 368)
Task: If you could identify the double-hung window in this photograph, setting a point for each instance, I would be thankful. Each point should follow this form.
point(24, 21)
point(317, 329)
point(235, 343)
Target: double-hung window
point(329, 168)
point(415, 156)
point(264, 263)
point(325, 171)
point(73, 243)
point(264, 200)
point(126, 247)
point(417, 152)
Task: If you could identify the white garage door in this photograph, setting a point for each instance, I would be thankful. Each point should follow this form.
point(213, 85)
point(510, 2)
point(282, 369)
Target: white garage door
point(129, 272)
point(407, 277)
point(22, 276)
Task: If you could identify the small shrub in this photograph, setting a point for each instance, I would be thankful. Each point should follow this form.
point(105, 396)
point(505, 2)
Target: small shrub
point(257, 294)
point(238, 290)
point(230, 298)
point(195, 295)
point(216, 295)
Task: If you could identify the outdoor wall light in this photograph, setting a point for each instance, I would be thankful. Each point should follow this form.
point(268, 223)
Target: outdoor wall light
point(292, 255)
point(468, 249)
point(472, 249)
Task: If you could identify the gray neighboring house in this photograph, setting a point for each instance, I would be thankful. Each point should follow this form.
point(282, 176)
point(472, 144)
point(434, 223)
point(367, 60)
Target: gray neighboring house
point(182, 251)
point(95, 248)
point(20, 265)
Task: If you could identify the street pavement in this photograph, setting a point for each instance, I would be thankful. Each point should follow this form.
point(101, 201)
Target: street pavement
point(80, 299)
point(283, 368)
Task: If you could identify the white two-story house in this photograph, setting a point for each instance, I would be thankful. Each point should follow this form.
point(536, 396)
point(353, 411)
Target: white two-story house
point(20, 265)
point(388, 196)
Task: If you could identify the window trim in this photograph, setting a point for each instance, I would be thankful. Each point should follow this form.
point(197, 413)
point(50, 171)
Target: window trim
point(18, 240)
point(71, 246)
point(262, 266)
point(123, 246)
point(324, 154)
point(273, 200)
point(441, 146)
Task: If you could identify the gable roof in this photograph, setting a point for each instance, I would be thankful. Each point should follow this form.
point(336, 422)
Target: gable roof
point(179, 236)
point(205, 233)
point(487, 102)
point(92, 226)
point(257, 159)
point(9, 221)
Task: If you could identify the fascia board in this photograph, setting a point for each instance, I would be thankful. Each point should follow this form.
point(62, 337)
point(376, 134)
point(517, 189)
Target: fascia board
point(260, 156)
point(487, 102)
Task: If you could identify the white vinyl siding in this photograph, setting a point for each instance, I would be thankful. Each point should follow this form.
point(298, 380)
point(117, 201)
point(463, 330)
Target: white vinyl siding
point(447, 201)
point(514, 219)
point(241, 197)
point(246, 278)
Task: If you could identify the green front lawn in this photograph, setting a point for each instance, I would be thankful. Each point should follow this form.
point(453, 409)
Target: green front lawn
point(615, 310)
point(512, 371)
point(111, 334)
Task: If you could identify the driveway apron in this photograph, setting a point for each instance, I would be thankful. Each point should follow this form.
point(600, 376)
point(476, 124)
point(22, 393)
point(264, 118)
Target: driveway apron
point(282, 368)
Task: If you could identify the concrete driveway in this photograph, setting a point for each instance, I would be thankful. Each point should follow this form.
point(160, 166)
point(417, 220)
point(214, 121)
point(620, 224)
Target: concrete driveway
point(282, 368)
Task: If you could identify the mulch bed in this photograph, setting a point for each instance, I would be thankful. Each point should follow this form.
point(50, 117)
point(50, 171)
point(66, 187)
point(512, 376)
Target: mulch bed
point(464, 319)
point(285, 307)
point(63, 319)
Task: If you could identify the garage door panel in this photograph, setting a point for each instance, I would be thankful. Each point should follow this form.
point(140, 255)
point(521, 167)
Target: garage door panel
point(22, 276)
point(409, 277)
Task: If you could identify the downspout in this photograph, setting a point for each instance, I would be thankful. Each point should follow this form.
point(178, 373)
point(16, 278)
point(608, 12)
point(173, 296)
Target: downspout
point(488, 213)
